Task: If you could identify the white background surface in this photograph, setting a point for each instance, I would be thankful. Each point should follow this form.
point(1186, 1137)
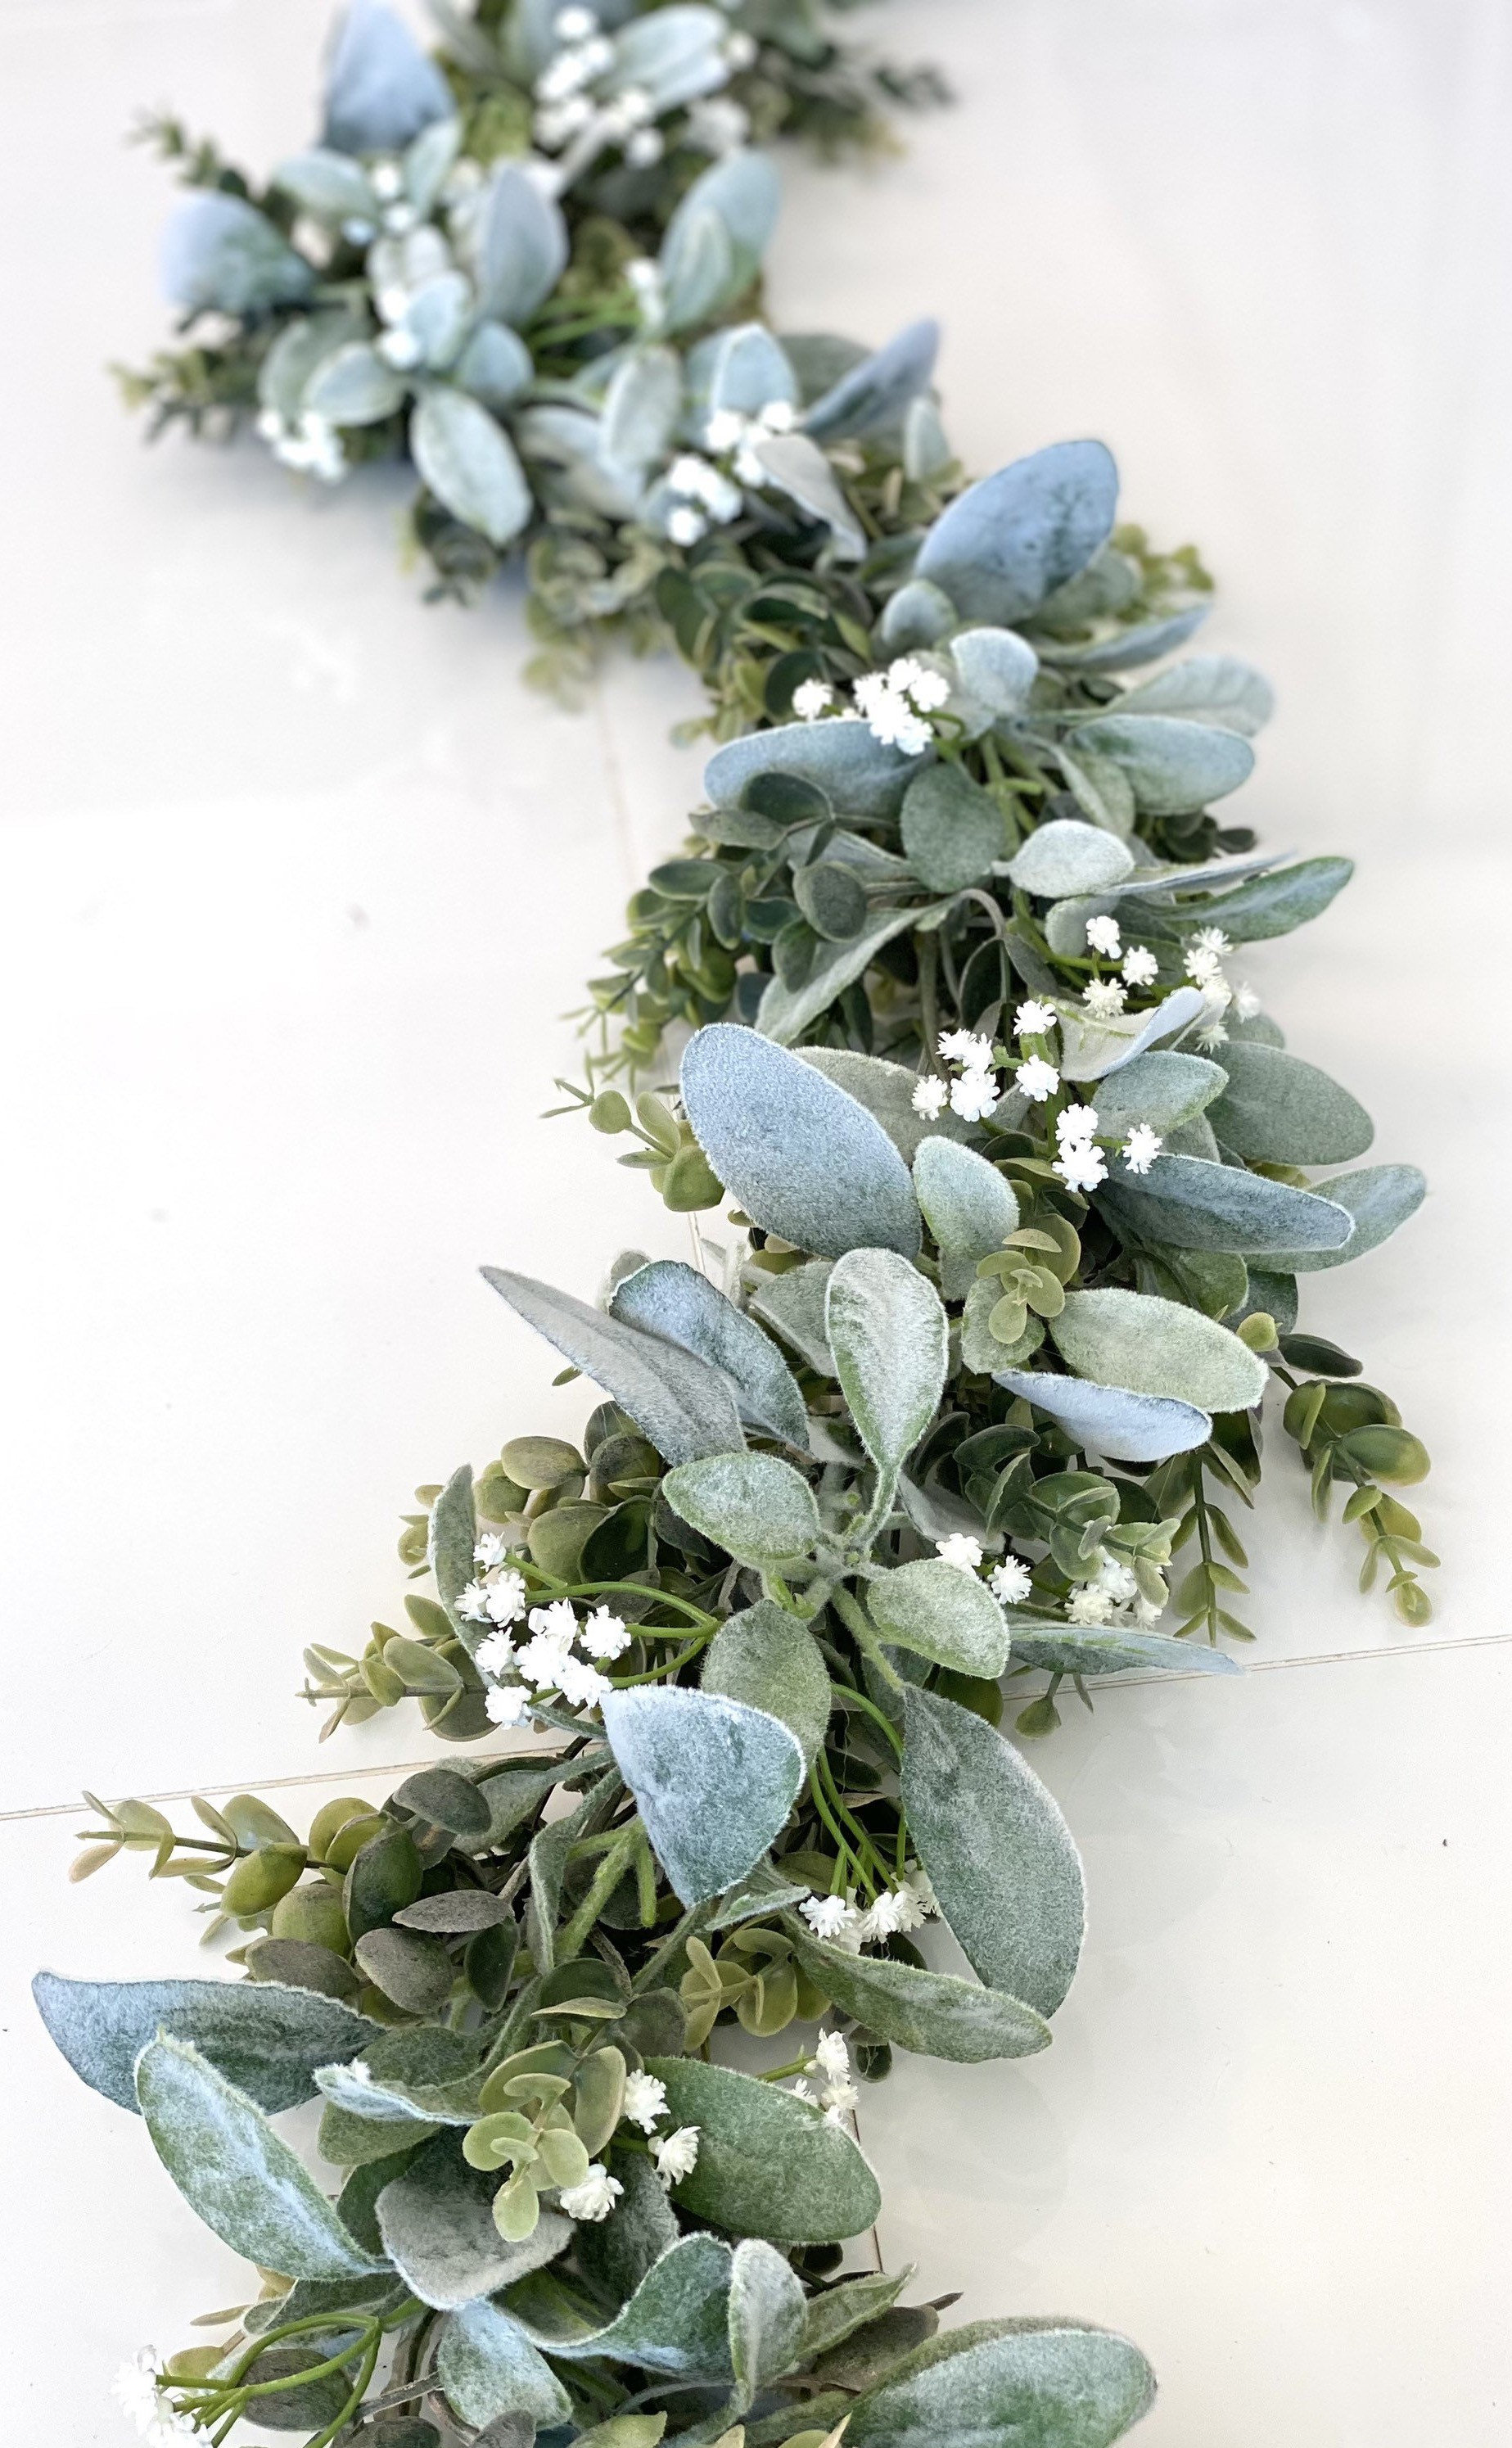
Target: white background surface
point(296, 873)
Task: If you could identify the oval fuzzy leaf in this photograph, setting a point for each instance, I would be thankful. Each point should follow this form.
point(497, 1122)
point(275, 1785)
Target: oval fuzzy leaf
point(886, 1089)
point(767, 1659)
point(236, 2173)
point(769, 2164)
point(265, 2038)
point(675, 2321)
point(671, 1299)
point(799, 469)
point(1268, 905)
point(1157, 1347)
point(1093, 1049)
point(1277, 1110)
point(523, 246)
point(1122, 1426)
point(995, 670)
point(1031, 2384)
point(803, 1159)
point(330, 185)
point(1144, 643)
point(889, 1336)
point(934, 2014)
point(859, 774)
point(785, 1012)
point(1009, 542)
point(968, 1206)
point(380, 88)
point(714, 1781)
point(995, 1849)
point(449, 1543)
point(1206, 688)
point(468, 462)
point(1093, 1649)
point(488, 2368)
point(793, 1305)
point(355, 387)
point(1066, 856)
point(218, 252)
point(767, 2315)
point(939, 1610)
point(1173, 766)
point(754, 1504)
point(1379, 1197)
point(742, 193)
point(697, 270)
point(748, 368)
point(1190, 1203)
point(1161, 1088)
point(873, 395)
point(952, 829)
point(685, 1407)
point(495, 366)
point(641, 408)
point(436, 2221)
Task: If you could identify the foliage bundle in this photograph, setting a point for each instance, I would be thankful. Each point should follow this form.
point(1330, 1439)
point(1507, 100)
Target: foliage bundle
point(1020, 1183)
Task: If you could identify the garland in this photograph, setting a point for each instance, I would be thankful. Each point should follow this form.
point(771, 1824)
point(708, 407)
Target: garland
point(1021, 1184)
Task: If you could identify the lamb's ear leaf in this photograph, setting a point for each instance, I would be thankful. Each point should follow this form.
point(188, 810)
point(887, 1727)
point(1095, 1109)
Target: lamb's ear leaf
point(786, 1011)
point(436, 2221)
point(716, 237)
point(353, 386)
point(673, 56)
point(265, 2038)
point(452, 1536)
point(768, 2164)
point(803, 1159)
point(1056, 1648)
point(793, 1305)
point(1048, 2381)
point(641, 408)
point(799, 469)
point(1096, 1049)
point(968, 1206)
point(380, 88)
point(952, 829)
point(236, 2173)
point(217, 251)
point(997, 1849)
point(874, 394)
point(755, 1505)
point(852, 2305)
point(888, 1331)
point(748, 368)
point(712, 1779)
point(1277, 1110)
point(674, 2322)
point(859, 774)
point(469, 464)
point(1206, 688)
point(1009, 542)
point(996, 669)
point(934, 2014)
point(1067, 857)
point(1267, 904)
point(523, 246)
point(487, 2367)
point(671, 1299)
point(1380, 1197)
point(1161, 1088)
point(941, 1612)
point(767, 2312)
point(686, 1409)
point(1150, 1346)
point(1190, 1203)
point(766, 1658)
point(1122, 1426)
point(1144, 643)
point(1173, 766)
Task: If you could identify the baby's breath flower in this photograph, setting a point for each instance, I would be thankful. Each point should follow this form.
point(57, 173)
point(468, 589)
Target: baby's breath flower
point(974, 1096)
point(1246, 1002)
point(1141, 968)
point(1141, 1147)
point(594, 2198)
point(574, 25)
point(918, 1884)
point(473, 1603)
point(1009, 1581)
point(715, 124)
point(386, 179)
point(491, 1550)
point(507, 1704)
point(810, 698)
point(496, 1655)
point(837, 2099)
point(582, 1685)
point(676, 2154)
point(1076, 1122)
point(835, 1917)
point(961, 1549)
point(1103, 998)
point(1080, 1165)
point(645, 2099)
point(1037, 1080)
point(965, 1047)
point(928, 690)
point(504, 1595)
point(1105, 936)
point(1089, 1605)
point(1033, 1019)
point(896, 1909)
point(741, 50)
point(604, 1635)
point(931, 1097)
point(1211, 940)
point(831, 2056)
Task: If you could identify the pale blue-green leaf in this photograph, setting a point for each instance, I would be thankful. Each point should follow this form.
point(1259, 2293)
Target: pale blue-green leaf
point(997, 1849)
point(671, 1299)
point(236, 2173)
point(1126, 1427)
point(939, 1610)
point(799, 469)
point(888, 1331)
point(754, 1504)
point(871, 863)
point(748, 370)
point(768, 2163)
point(935, 1513)
point(1157, 1347)
point(1101, 790)
point(385, 2101)
point(801, 1157)
point(926, 451)
point(793, 1304)
point(919, 615)
point(674, 2322)
point(785, 1013)
point(304, 344)
point(766, 1658)
point(1192, 1204)
point(1065, 857)
point(218, 252)
point(436, 2221)
point(698, 269)
point(968, 1206)
point(641, 408)
point(1009, 542)
point(1173, 766)
point(487, 2367)
point(521, 246)
point(1207, 688)
point(952, 829)
point(859, 774)
point(1379, 1197)
point(438, 315)
point(1093, 1649)
point(1093, 1049)
point(1144, 643)
point(873, 395)
point(330, 185)
point(934, 2014)
point(265, 2038)
point(672, 54)
point(712, 1779)
point(886, 1089)
point(355, 387)
point(495, 366)
point(380, 88)
point(683, 1405)
point(767, 2313)
point(1028, 2383)
point(743, 190)
point(1269, 904)
point(996, 669)
point(449, 1543)
point(468, 462)
point(1277, 1110)
point(427, 163)
point(1161, 1088)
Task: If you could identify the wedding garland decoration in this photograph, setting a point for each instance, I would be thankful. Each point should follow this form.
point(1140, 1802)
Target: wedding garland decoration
point(1020, 1186)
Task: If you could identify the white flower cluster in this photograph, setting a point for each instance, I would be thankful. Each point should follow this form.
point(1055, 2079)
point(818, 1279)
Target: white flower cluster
point(548, 1660)
point(703, 495)
point(1205, 954)
point(973, 1094)
point(1008, 1581)
point(895, 704)
point(732, 437)
point(675, 2156)
point(831, 2068)
point(593, 2200)
point(310, 446)
point(137, 2390)
point(1138, 966)
point(840, 1921)
point(1114, 1597)
point(569, 113)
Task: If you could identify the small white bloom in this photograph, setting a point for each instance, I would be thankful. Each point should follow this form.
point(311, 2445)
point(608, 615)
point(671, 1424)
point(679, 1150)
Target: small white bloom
point(270, 428)
point(1105, 936)
point(1103, 998)
point(777, 417)
point(504, 1596)
point(1201, 966)
point(835, 1917)
point(542, 1663)
point(555, 1621)
point(965, 1047)
point(1037, 1080)
point(1080, 1165)
point(1118, 1580)
point(1146, 1611)
point(895, 1908)
point(574, 25)
point(135, 2386)
point(810, 698)
point(715, 124)
point(911, 678)
point(1033, 1019)
point(473, 1603)
point(507, 1704)
point(740, 50)
point(1141, 968)
point(1009, 1581)
point(1211, 1035)
point(931, 1097)
point(491, 1550)
point(974, 1096)
point(676, 2154)
point(633, 107)
point(645, 2099)
point(594, 2198)
point(603, 1634)
point(495, 1655)
point(961, 1549)
point(802, 2089)
point(1141, 1147)
point(386, 179)
point(1076, 1122)
point(1246, 1002)
point(399, 347)
point(583, 1686)
point(1089, 1605)
point(645, 146)
point(399, 220)
point(686, 525)
point(1212, 939)
point(831, 2056)
point(393, 304)
point(837, 2099)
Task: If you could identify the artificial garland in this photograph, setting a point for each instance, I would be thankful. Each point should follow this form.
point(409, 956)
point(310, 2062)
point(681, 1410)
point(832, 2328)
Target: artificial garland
point(1022, 1187)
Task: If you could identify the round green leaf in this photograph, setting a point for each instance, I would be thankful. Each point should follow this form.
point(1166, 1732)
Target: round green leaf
point(952, 829)
point(938, 1611)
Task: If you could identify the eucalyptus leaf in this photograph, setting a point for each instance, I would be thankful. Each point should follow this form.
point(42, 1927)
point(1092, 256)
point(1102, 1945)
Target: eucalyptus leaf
point(870, 397)
point(1005, 543)
point(766, 1658)
point(754, 1504)
point(767, 2313)
point(952, 829)
point(672, 55)
point(1379, 1197)
point(1207, 688)
point(803, 1159)
point(468, 462)
point(673, 1300)
point(1125, 1426)
point(1028, 2383)
point(436, 2221)
point(487, 2367)
point(889, 1336)
point(1172, 765)
point(996, 1850)
point(943, 1613)
point(859, 774)
point(221, 253)
point(1157, 1347)
point(1190, 1203)
point(886, 1089)
point(380, 88)
point(1065, 857)
point(685, 1407)
point(1277, 1110)
point(523, 246)
point(918, 615)
point(769, 2164)
point(785, 1011)
point(265, 2038)
point(968, 1206)
point(712, 1779)
point(934, 2014)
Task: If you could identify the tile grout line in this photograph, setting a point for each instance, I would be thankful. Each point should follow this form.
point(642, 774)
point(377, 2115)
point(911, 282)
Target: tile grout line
point(404, 1768)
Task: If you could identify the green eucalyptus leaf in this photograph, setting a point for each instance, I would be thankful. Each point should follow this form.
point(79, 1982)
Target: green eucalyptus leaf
point(769, 2164)
point(1173, 766)
point(1028, 2383)
point(714, 1781)
point(1066, 856)
point(265, 2038)
point(487, 2367)
point(755, 1505)
point(968, 1206)
point(1150, 1346)
point(617, 2252)
point(1268, 905)
point(952, 829)
point(941, 1612)
point(766, 2314)
point(436, 2221)
point(889, 1336)
point(934, 2014)
point(767, 1659)
point(1190, 1203)
point(412, 1969)
point(1123, 1426)
point(1379, 1198)
point(683, 1405)
point(995, 1849)
point(1277, 1110)
point(1005, 543)
point(673, 1300)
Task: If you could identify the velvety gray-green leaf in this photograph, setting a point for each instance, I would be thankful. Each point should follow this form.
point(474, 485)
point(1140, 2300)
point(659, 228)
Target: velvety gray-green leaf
point(487, 2366)
point(952, 829)
point(799, 469)
point(685, 1407)
point(768, 2163)
point(673, 1301)
point(888, 1333)
point(886, 1089)
point(354, 386)
point(714, 1780)
point(793, 1304)
point(436, 2221)
point(859, 774)
point(521, 246)
point(874, 395)
point(1157, 1347)
point(968, 1206)
point(1161, 1088)
point(1146, 642)
point(380, 88)
point(1028, 2383)
point(934, 2014)
point(451, 1538)
point(674, 2322)
point(1206, 688)
point(767, 2312)
point(1192, 1204)
point(754, 1504)
point(1173, 766)
point(1277, 1110)
point(220, 252)
point(939, 1610)
point(996, 669)
point(1093, 1049)
point(767, 1659)
point(468, 462)
point(1095, 1648)
point(1066, 856)
point(1379, 1197)
point(1123, 1426)
point(1268, 905)
point(265, 2038)
point(1006, 542)
point(785, 1012)
point(853, 2305)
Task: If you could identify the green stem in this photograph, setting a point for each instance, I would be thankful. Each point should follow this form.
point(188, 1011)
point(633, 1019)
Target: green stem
point(848, 1607)
point(858, 1700)
point(606, 1879)
point(688, 1927)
